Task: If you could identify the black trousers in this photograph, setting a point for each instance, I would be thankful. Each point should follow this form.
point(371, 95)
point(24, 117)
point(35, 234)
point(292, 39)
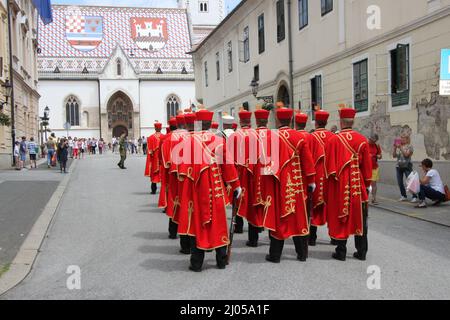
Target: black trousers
point(173, 229)
point(154, 188)
point(313, 233)
point(239, 226)
point(198, 256)
point(301, 247)
point(185, 243)
point(122, 160)
point(361, 242)
point(253, 233)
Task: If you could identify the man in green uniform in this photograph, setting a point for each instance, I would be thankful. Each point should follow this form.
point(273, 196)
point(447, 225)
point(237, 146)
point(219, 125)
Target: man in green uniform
point(122, 150)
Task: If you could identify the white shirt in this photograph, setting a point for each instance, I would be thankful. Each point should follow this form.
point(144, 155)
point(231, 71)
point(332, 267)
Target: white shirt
point(435, 181)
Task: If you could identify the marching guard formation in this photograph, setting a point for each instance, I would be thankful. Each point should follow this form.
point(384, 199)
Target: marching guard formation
point(287, 181)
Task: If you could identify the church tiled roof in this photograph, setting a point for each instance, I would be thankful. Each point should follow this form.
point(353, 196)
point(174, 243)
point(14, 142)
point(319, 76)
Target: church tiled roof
point(86, 36)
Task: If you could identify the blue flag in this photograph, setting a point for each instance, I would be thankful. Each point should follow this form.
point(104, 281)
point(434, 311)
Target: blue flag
point(44, 7)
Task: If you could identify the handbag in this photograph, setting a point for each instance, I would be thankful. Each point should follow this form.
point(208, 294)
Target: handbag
point(447, 193)
point(413, 183)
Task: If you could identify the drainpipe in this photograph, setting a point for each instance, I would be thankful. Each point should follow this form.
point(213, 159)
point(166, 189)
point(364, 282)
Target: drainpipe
point(11, 81)
point(291, 55)
point(99, 109)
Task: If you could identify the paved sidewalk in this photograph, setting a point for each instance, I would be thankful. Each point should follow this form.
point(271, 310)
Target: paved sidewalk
point(388, 196)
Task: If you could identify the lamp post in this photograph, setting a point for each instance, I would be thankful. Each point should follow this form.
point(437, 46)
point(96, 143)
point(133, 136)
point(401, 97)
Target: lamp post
point(8, 91)
point(45, 119)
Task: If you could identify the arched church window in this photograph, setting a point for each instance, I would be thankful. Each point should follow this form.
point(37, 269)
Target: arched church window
point(203, 6)
point(73, 111)
point(119, 67)
point(173, 105)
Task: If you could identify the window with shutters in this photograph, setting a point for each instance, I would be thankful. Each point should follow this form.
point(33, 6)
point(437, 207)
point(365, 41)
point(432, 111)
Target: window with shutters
point(316, 93)
point(230, 56)
point(173, 105)
point(261, 35)
point(400, 75)
point(73, 111)
point(361, 86)
point(281, 34)
point(302, 13)
point(246, 45)
point(326, 6)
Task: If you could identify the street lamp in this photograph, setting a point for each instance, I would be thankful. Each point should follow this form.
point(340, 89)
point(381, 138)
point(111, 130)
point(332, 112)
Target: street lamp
point(45, 120)
point(255, 86)
point(8, 92)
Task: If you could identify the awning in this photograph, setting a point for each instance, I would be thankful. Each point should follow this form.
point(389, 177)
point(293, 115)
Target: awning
point(44, 7)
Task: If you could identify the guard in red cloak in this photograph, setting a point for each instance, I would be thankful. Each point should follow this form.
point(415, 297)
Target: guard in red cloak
point(349, 172)
point(152, 168)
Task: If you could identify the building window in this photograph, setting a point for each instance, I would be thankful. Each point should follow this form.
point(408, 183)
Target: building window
point(230, 56)
point(261, 35)
point(218, 66)
point(361, 86)
point(302, 13)
point(280, 21)
point(206, 73)
point(119, 67)
point(326, 6)
point(203, 6)
point(173, 105)
point(400, 74)
point(73, 111)
point(256, 73)
point(316, 93)
point(246, 45)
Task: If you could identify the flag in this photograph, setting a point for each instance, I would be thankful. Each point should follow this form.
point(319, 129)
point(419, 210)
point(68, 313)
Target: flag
point(44, 8)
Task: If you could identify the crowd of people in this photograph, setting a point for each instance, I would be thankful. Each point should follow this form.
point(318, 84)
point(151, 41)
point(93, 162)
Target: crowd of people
point(287, 181)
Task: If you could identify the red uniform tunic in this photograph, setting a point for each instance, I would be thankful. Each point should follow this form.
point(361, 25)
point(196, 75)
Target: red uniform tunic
point(264, 182)
point(349, 172)
point(152, 168)
point(207, 176)
point(317, 142)
point(242, 145)
point(289, 217)
point(165, 171)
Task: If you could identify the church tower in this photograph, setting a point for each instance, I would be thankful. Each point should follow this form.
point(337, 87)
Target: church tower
point(204, 16)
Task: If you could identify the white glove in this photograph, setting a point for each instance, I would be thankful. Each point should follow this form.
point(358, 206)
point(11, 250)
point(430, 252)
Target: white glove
point(369, 189)
point(312, 187)
point(237, 192)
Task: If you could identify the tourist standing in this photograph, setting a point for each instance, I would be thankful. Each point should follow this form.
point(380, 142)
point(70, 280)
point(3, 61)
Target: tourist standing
point(51, 148)
point(375, 155)
point(62, 154)
point(32, 150)
point(403, 152)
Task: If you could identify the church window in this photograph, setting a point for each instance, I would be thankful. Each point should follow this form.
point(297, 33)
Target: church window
point(73, 111)
point(173, 105)
point(203, 6)
point(119, 67)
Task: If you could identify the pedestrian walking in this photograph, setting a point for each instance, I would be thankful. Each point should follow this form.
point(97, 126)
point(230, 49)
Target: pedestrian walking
point(23, 152)
point(51, 149)
point(70, 143)
point(403, 152)
point(33, 150)
point(17, 155)
point(375, 155)
point(122, 150)
point(63, 154)
point(75, 148)
point(101, 145)
point(144, 145)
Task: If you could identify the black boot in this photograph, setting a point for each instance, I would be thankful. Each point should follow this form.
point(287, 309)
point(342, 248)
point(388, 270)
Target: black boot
point(275, 251)
point(186, 244)
point(197, 257)
point(341, 250)
point(173, 228)
point(301, 247)
point(154, 188)
point(312, 236)
point(221, 257)
point(253, 236)
point(361, 242)
point(239, 226)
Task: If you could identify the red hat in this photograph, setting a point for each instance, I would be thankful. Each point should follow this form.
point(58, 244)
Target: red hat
point(180, 119)
point(190, 117)
point(262, 114)
point(245, 115)
point(322, 115)
point(204, 115)
point(235, 126)
point(173, 122)
point(284, 113)
point(158, 125)
point(301, 118)
point(347, 113)
point(214, 125)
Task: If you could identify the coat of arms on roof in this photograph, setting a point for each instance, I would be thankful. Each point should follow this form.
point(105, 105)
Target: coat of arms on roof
point(84, 33)
point(149, 33)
